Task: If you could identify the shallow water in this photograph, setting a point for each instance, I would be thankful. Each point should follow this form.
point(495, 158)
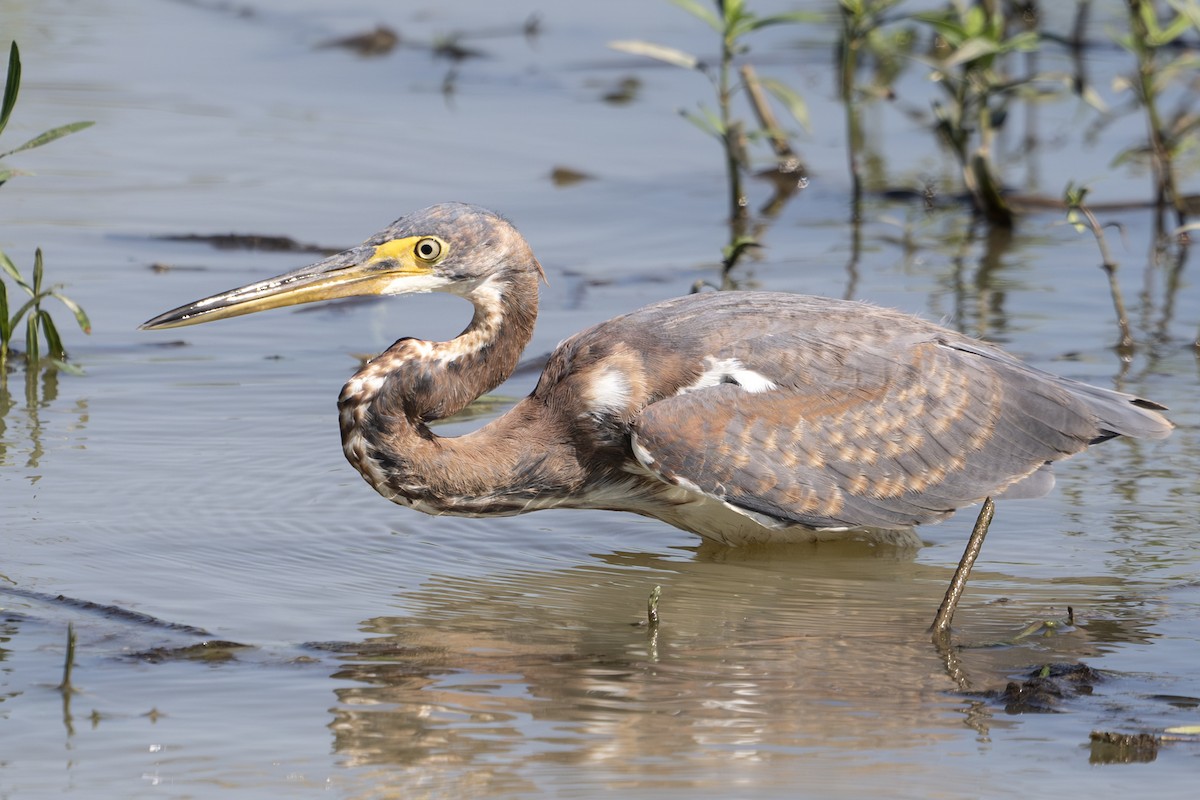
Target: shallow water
point(191, 487)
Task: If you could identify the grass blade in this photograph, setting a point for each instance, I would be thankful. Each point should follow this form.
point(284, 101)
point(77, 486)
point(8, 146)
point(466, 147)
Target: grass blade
point(49, 136)
point(5, 325)
point(38, 272)
point(696, 9)
point(21, 312)
point(790, 98)
point(33, 346)
point(790, 18)
point(658, 52)
point(12, 85)
point(54, 345)
point(11, 270)
point(81, 316)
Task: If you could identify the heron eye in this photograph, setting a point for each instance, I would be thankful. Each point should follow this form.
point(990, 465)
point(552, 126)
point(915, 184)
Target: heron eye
point(428, 249)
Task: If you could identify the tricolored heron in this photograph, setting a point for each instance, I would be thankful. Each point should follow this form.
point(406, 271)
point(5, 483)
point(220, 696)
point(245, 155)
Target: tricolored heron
point(739, 416)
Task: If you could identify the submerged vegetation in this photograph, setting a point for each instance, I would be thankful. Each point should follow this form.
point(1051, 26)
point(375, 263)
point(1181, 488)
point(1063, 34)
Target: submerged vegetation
point(39, 325)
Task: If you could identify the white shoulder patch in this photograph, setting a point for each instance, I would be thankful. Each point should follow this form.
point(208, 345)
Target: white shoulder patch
point(730, 370)
point(608, 392)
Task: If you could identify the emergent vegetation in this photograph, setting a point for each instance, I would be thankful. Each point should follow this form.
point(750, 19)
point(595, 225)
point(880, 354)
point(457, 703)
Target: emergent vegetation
point(38, 323)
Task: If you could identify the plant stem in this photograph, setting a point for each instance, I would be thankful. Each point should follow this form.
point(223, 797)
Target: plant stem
point(1161, 160)
point(1125, 342)
point(731, 130)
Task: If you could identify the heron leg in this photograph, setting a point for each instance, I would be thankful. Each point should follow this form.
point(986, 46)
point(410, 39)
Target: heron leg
point(940, 629)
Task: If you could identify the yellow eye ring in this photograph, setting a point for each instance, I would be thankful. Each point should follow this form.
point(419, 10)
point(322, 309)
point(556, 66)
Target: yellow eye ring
point(428, 249)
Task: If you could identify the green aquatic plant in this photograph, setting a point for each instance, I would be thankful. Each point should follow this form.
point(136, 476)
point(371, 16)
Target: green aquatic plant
point(863, 31)
point(12, 88)
point(732, 21)
point(1153, 37)
point(38, 322)
point(972, 41)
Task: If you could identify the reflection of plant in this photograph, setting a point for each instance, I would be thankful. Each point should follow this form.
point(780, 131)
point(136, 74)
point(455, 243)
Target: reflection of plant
point(1146, 39)
point(973, 38)
point(38, 322)
point(732, 21)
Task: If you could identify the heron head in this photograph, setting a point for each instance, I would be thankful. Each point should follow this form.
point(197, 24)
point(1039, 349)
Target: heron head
point(452, 247)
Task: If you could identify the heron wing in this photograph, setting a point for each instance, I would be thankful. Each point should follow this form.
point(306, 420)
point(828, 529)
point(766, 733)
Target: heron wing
point(898, 431)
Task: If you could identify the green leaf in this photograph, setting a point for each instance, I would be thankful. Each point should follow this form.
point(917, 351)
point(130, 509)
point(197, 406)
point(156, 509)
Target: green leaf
point(5, 326)
point(658, 52)
point(705, 121)
point(1189, 9)
point(6, 174)
point(733, 251)
point(792, 18)
point(1179, 26)
point(49, 136)
point(975, 23)
point(38, 272)
point(10, 268)
point(701, 11)
point(790, 98)
point(1126, 41)
point(734, 11)
point(945, 25)
point(12, 85)
point(21, 312)
point(1074, 195)
point(970, 50)
point(1024, 41)
point(33, 346)
point(54, 345)
point(1126, 155)
point(1149, 19)
point(81, 316)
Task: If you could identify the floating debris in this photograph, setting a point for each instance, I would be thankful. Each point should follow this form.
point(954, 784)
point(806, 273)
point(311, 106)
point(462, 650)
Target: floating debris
point(1045, 688)
point(1110, 747)
point(378, 42)
point(565, 176)
point(213, 650)
point(624, 93)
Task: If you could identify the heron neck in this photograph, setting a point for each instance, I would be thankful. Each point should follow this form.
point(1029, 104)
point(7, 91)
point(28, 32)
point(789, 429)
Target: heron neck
point(422, 381)
point(386, 406)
